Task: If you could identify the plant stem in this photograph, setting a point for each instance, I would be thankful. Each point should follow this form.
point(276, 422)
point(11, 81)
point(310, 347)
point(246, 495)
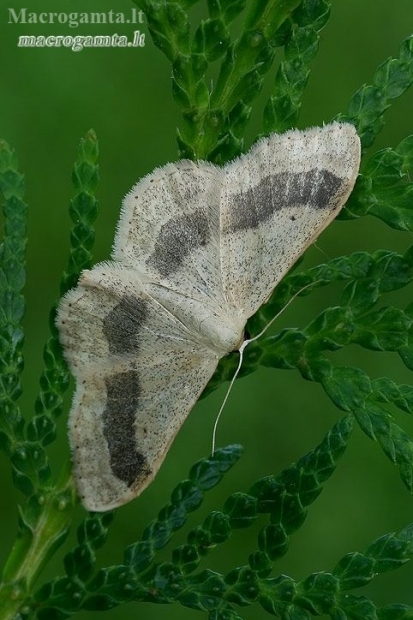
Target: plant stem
point(35, 545)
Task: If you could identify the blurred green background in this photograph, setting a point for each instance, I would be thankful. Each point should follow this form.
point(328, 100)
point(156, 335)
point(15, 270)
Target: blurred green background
point(48, 100)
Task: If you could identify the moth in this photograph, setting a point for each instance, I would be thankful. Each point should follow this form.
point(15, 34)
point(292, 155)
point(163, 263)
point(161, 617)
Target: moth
point(198, 249)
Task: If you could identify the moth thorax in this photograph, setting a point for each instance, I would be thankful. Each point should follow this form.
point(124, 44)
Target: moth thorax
point(224, 333)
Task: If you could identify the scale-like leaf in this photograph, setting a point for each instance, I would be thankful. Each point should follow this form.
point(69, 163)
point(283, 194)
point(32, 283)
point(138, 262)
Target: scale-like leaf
point(12, 306)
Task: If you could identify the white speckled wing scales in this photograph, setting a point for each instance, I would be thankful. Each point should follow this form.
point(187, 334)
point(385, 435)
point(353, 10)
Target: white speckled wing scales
point(276, 201)
point(169, 229)
point(198, 249)
point(138, 372)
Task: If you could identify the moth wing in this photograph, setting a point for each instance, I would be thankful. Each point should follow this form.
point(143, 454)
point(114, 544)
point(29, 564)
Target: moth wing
point(139, 370)
point(169, 230)
point(276, 201)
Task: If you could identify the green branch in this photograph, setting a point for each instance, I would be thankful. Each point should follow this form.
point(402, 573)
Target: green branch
point(45, 518)
point(218, 69)
point(12, 306)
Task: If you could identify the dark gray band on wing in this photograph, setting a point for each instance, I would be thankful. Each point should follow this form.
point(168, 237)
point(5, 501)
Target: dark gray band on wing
point(176, 239)
point(123, 323)
point(126, 462)
point(314, 188)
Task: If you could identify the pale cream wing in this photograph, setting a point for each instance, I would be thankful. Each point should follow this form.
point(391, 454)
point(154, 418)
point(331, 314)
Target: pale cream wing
point(169, 230)
point(139, 370)
point(276, 201)
point(199, 249)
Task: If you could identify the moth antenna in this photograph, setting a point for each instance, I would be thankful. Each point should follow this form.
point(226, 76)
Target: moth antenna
point(241, 357)
point(274, 318)
point(322, 250)
point(221, 409)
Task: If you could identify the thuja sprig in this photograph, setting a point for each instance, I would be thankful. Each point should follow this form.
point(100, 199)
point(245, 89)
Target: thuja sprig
point(214, 117)
point(384, 188)
point(215, 114)
point(12, 305)
point(284, 498)
point(113, 585)
point(45, 518)
point(368, 104)
point(355, 321)
point(300, 48)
